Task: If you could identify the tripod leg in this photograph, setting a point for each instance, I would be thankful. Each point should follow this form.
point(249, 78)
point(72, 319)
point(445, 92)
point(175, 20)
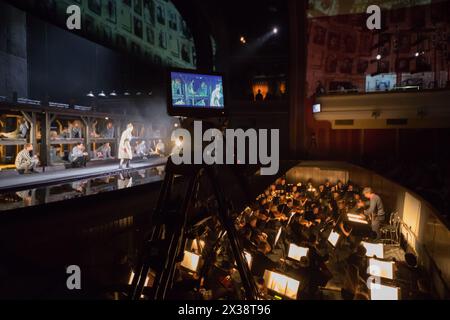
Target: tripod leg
point(242, 266)
point(176, 246)
point(137, 286)
point(143, 268)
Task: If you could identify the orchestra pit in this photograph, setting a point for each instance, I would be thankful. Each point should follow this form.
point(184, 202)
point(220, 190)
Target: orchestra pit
point(202, 151)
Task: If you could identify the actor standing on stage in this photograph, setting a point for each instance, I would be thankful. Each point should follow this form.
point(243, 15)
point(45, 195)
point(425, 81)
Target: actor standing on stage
point(125, 151)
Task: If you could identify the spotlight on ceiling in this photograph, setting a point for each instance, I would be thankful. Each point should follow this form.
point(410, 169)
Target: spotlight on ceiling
point(379, 57)
point(113, 94)
point(243, 40)
point(138, 93)
point(102, 94)
point(106, 118)
point(275, 30)
point(91, 94)
point(126, 93)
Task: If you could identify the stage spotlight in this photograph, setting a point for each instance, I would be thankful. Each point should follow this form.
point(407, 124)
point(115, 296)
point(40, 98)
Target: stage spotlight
point(417, 54)
point(243, 40)
point(138, 93)
point(113, 94)
point(379, 57)
point(176, 125)
point(126, 93)
point(106, 118)
point(275, 30)
point(102, 94)
point(91, 94)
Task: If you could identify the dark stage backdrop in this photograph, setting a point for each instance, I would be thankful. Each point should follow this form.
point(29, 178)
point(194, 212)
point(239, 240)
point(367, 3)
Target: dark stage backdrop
point(153, 30)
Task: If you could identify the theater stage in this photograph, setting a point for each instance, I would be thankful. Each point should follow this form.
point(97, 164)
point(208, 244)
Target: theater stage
point(15, 182)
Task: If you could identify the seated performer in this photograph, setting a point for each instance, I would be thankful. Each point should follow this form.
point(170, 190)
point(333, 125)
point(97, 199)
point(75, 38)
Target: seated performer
point(160, 147)
point(93, 130)
point(104, 152)
point(20, 132)
point(141, 150)
point(78, 157)
point(109, 131)
point(23, 129)
point(25, 163)
point(75, 130)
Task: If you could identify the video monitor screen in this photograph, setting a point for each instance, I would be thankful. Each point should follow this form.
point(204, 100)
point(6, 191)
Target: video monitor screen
point(196, 91)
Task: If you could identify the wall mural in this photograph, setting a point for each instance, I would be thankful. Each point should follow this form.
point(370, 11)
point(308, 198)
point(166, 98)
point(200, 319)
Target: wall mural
point(152, 29)
point(414, 46)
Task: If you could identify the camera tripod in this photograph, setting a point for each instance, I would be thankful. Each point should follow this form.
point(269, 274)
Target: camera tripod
point(167, 238)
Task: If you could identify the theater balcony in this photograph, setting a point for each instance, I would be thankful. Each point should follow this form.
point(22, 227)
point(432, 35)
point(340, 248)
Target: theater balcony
point(388, 110)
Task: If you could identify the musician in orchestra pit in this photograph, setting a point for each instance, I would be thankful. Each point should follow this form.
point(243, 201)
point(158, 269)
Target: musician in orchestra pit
point(250, 234)
point(375, 210)
point(288, 207)
point(261, 262)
